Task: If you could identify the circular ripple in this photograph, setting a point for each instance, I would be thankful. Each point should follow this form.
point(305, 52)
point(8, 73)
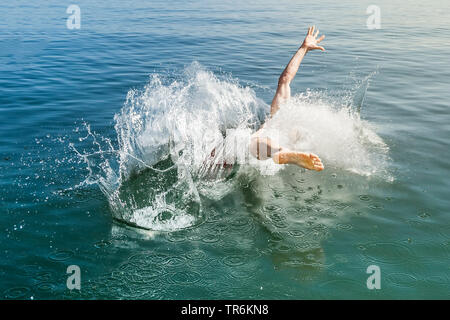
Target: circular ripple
point(341, 205)
point(176, 236)
point(291, 211)
point(31, 269)
point(277, 217)
point(277, 194)
point(244, 272)
point(376, 206)
point(364, 197)
point(233, 261)
point(196, 258)
point(424, 214)
point(142, 277)
point(184, 277)
point(127, 267)
point(280, 224)
point(45, 287)
point(318, 234)
point(151, 270)
point(334, 288)
point(144, 259)
point(343, 226)
point(305, 246)
point(241, 223)
point(402, 280)
point(276, 237)
point(296, 233)
point(16, 292)
point(279, 247)
point(303, 210)
point(195, 237)
point(196, 255)
point(175, 261)
point(271, 208)
point(293, 263)
point(102, 244)
point(219, 228)
point(61, 255)
point(210, 238)
point(43, 276)
point(213, 218)
point(386, 252)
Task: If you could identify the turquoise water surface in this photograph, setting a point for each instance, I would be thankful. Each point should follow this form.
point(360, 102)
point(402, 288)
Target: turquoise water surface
point(98, 127)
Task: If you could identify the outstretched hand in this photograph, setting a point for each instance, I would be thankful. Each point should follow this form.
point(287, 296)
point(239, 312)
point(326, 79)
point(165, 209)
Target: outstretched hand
point(311, 42)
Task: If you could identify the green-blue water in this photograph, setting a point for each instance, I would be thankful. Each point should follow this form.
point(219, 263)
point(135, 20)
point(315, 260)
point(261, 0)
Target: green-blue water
point(290, 235)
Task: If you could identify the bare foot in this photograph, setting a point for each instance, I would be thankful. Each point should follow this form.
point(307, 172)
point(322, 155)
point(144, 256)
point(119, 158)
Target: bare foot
point(306, 160)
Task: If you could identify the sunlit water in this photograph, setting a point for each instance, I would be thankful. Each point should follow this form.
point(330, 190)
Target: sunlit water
point(107, 132)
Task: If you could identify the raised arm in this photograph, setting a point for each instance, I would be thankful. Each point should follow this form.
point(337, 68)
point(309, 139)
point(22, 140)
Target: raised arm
point(284, 90)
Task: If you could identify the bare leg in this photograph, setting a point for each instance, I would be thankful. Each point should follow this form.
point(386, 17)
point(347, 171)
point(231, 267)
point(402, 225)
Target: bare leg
point(302, 159)
point(264, 148)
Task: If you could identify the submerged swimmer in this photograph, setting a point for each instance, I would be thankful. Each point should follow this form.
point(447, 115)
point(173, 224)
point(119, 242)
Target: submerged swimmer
point(262, 147)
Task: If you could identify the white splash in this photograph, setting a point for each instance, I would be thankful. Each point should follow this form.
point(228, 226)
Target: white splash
point(334, 132)
point(155, 178)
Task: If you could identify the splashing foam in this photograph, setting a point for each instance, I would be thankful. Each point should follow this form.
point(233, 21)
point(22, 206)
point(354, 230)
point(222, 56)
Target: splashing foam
point(334, 132)
point(155, 178)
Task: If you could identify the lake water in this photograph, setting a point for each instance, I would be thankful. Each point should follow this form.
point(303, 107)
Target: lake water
point(96, 168)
